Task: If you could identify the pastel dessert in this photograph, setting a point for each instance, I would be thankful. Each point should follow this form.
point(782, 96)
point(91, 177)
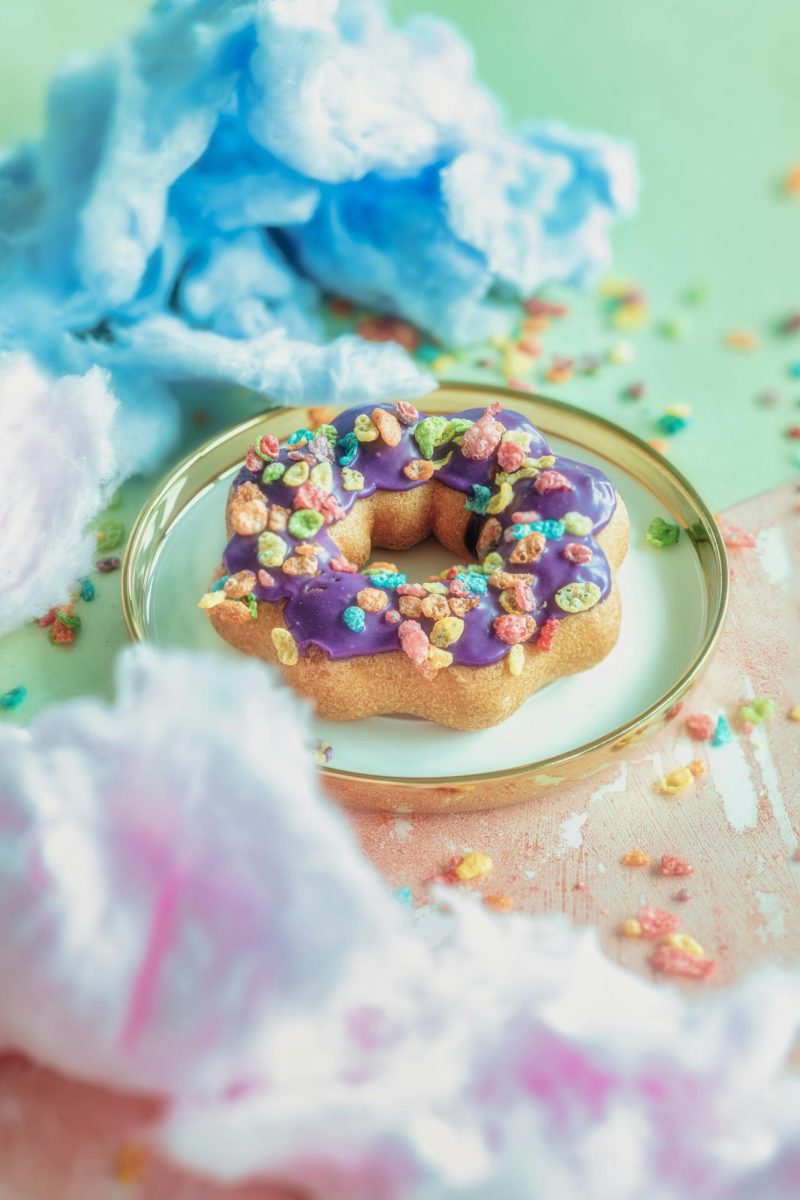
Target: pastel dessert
point(533, 597)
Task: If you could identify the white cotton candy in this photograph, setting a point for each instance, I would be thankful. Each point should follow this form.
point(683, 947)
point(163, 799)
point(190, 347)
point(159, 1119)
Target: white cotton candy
point(56, 471)
point(165, 865)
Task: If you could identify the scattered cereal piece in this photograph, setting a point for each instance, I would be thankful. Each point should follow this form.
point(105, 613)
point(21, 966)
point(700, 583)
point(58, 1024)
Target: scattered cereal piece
point(621, 353)
point(631, 928)
point(13, 698)
point(285, 646)
point(669, 960)
point(499, 903)
point(473, 866)
point(741, 339)
point(406, 413)
point(234, 612)
point(674, 419)
point(354, 618)
point(577, 524)
point(87, 589)
point(110, 533)
point(635, 391)
point(107, 565)
point(760, 708)
point(682, 895)
point(794, 712)
point(697, 767)
point(661, 533)
point(677, 781)
point(388, 426)
point(673, 864)
point(734, 537)
point(372, 599)
point(700, 727)
point(551, 481)
point(340, 563)
point(635, 858)
point(722, 733)
point(323, 753)
point(682, 941)
point(657, 922)
point(265, 579)
point(131, 1163)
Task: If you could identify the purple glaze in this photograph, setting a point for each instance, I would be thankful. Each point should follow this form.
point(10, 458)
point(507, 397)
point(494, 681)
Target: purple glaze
point(314, 607)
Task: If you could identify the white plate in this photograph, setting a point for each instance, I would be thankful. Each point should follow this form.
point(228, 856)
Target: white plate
point(664, 625)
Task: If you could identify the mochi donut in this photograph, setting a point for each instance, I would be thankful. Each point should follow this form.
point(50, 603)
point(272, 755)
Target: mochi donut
point(532, 597)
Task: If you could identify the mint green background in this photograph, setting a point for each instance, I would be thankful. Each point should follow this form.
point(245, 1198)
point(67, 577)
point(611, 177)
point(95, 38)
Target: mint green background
point(710, 94)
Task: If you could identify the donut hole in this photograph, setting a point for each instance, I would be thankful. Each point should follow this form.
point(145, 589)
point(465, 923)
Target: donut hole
point(402, 520)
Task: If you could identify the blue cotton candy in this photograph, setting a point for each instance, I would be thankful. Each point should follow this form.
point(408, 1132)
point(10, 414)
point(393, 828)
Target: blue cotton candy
point(201, 186)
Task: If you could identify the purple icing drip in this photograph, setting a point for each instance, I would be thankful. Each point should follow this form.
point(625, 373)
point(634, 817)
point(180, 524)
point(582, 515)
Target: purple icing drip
point(314, 606)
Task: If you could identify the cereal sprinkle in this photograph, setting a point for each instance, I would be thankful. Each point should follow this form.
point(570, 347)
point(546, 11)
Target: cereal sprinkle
point(635, 858)
point(677, 781)
point(13, 698)
point(473, 866)
point(673, 864)
point(722, 733)
point(671, 960)
point(661, 533)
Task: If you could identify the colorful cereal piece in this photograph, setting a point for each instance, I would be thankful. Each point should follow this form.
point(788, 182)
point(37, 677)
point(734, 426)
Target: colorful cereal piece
point(677, 781)
point(700, 727)
point(13, 697)
point(405, 412)
point(547, 633)
point(446, 631)
point(673, 864)
point(348, 447)
point(510, 456)
point(322, 476)
point(278, 516)
point(550, 529)
point(237, 586)
point(722, 733)
point(526, 518)
point(761, 708)
point(481, 439)
point(352, 481)
point(575, 552)
point(106, 565)
point(489, 537)
point(577, 597)
point(305, 523)
point(372, 599)
point(661, 533)
point(271, 549)
point(501, 499)
point(265, 579)
point(272, 472)
point(478, 501)
point(438, 658)
point(297, 474)
point(513, 629)
point(387, 579)
point(474, 865)
point(285, 646)
point(234, 612)
point(670, 960)
point(388, 426)
point(657, 922)
point(492, 562)
point(682, 941)
point(577, 524)
point(551, 481)
point(211, 599)
point(340, 563)
point(435, 607)
point(354, 618)
point(301, 564)
point(364, 429)
point(635, 858)
point(428, 434)
point(418, 469)
point(516, 659)
point(631, 928)
point(413, 641)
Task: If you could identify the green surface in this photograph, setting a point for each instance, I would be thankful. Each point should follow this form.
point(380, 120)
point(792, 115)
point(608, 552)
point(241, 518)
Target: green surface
point(709, 93)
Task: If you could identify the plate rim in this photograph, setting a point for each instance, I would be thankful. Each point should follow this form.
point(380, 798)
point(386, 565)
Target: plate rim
point(658, 463)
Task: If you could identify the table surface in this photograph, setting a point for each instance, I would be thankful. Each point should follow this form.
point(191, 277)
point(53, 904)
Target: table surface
point(709, 93)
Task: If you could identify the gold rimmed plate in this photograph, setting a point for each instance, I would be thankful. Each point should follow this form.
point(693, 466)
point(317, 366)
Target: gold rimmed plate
point(673, 609)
